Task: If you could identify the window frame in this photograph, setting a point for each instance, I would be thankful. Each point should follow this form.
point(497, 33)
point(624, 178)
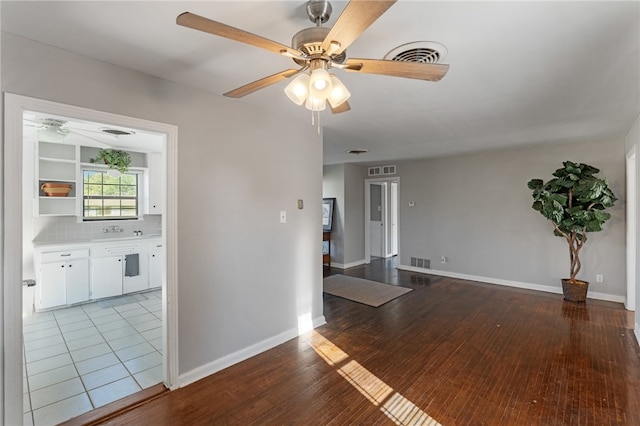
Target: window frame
point(140, 176)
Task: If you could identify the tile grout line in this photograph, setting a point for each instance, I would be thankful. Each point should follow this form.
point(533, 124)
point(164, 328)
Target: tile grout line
point(86, 313)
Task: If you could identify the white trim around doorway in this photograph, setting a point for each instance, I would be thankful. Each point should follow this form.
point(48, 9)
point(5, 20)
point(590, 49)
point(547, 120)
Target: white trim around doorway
point(367, 216)
point(14, 106)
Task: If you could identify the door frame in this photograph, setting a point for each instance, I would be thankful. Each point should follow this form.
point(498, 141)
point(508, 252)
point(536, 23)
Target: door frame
point(631, 213)
point(385, 215)
point(14, 106)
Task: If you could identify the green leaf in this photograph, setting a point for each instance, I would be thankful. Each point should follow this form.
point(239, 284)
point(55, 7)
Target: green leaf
point(535, 184)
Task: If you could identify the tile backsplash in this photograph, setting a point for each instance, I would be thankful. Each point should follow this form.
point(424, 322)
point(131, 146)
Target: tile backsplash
point(65, 229)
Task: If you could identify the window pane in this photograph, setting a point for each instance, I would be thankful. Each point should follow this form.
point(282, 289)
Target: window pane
point(129, 191)
point(109, 197)
point(128, 180)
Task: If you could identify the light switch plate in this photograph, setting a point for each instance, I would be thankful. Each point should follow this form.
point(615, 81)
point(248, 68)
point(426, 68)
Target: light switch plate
point(300, 204)
point(283, 216)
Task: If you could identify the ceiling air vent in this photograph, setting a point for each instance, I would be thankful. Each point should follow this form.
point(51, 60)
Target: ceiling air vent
point(117, 132)
point(425, 52)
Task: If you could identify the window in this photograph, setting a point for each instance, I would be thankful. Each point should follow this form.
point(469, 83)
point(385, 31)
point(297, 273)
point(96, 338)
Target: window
point(106, 197)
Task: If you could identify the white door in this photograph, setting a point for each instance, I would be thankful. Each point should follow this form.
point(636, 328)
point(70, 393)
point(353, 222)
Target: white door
point(106, 277)
point(376, 227)
point(77, 281)
point(52, 287)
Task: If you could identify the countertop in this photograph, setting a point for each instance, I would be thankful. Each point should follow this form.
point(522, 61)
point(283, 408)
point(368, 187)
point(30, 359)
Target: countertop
point(98, 240)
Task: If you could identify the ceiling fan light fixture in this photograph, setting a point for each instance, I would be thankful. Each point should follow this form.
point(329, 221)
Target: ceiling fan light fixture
point(315, 104)
point(320, 84)
point(298, 89)
point(339, 93)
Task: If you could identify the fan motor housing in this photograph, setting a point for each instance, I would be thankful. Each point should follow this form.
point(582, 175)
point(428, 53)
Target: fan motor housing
point(309, 41)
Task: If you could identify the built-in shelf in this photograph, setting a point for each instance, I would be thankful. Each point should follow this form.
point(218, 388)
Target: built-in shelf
point(57, 162)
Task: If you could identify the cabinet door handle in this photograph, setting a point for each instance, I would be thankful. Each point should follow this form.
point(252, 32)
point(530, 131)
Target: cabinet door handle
point(70, 266)
point(62, 266)
point(65, 255)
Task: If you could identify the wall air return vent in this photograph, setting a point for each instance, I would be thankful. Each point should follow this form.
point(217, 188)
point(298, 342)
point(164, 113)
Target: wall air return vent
point(388, 170)
point(421, 263)
point(382, 170)
point(375, 171)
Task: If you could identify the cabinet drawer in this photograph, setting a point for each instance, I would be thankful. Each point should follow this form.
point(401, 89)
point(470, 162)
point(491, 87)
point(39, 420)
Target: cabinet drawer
point(57, 256)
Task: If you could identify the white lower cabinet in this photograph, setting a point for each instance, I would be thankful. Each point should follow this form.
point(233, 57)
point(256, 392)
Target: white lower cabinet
point(106, 276)
point(96, 270)
point(63, 278)
point(77, 281)
point(156, 264)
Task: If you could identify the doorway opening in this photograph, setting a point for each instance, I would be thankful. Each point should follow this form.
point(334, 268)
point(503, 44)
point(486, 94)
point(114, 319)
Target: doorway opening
point(72, 352)
point(381, 218)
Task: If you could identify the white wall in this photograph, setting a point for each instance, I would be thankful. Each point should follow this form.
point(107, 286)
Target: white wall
point(243, 277)
point(333, 187)
point(345, 183)
point(476, 211)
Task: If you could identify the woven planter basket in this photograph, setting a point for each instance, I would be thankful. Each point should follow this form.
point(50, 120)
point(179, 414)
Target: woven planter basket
point(51, 189)
point(575, 291)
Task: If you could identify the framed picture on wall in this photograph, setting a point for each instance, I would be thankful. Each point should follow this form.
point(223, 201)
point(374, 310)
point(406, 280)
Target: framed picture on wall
point(327, 214)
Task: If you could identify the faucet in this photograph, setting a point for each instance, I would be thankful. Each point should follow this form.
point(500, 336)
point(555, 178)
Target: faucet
point(113, 228)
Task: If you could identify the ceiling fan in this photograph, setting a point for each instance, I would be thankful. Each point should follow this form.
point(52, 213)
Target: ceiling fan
point(61, 127)
point(319, 49)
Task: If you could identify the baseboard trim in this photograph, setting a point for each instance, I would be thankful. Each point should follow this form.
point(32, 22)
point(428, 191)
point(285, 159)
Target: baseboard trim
point(241, 355)
point(348, 265)
point(509, 283)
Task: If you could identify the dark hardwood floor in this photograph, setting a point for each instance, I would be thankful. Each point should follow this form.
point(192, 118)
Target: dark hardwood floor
point(451, 352)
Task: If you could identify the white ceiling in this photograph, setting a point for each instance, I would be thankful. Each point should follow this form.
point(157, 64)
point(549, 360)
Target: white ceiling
point(521, 73)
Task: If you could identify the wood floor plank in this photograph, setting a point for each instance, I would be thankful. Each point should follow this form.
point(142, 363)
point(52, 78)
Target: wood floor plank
point(453, 352)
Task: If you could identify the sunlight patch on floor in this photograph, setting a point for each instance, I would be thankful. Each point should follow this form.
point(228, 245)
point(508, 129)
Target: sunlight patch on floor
point(391, 403)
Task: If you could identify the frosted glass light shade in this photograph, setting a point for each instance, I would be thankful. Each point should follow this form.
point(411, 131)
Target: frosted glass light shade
point(316, 104)
point(320, 84)
point(339, 92)
point(298, 89)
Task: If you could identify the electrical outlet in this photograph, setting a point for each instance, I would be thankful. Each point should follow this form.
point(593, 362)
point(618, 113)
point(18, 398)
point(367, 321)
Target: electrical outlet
point(443, 259)
point(599, 278)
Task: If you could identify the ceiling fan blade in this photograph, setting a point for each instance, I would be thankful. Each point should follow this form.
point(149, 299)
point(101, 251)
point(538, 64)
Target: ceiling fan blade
point(355, 18)
point(260, 84)
point(343, 107)
point(207, 25)
point(417, 70)
point(91, 141)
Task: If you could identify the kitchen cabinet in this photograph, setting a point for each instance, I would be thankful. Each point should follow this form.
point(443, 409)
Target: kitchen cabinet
point(106, 276)
point(156, 264)
point(77, 272)
point(62, 278)
point(110, 274)
point(56, 163)
point(155, 183)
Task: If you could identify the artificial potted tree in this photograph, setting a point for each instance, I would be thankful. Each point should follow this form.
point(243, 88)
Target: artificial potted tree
point(115, 159)
point(575, 202)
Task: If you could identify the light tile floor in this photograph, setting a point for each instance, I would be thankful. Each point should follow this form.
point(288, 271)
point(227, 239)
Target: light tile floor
point(83, 357)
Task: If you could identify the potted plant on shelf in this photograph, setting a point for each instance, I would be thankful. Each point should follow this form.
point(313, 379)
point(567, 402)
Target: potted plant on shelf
point(115, 159)
point(575, 202)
